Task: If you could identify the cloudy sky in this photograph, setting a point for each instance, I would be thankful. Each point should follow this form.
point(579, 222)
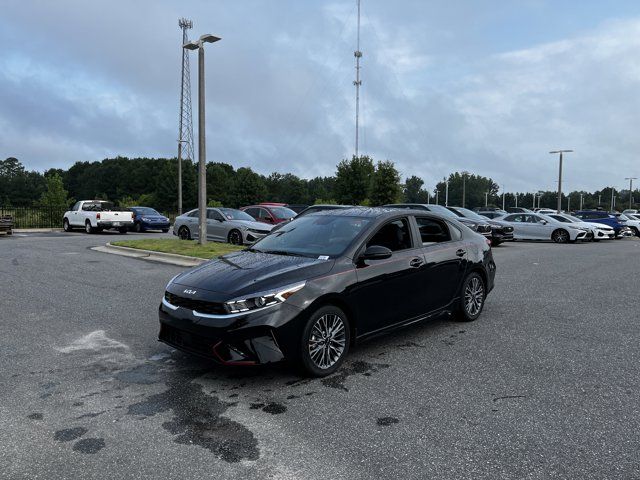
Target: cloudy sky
point(486, 86)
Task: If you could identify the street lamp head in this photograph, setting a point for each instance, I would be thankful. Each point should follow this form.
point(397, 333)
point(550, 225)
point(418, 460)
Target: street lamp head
point(191, 45)
point(207, 37)
point(561, 151)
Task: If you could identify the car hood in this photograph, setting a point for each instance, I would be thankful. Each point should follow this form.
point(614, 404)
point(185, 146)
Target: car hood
point(251, 224)
point(249, 272)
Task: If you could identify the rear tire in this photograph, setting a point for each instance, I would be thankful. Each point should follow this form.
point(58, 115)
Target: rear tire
point(560, 236)
point(324, 343)
point(472, 297)
point(87, 227)
point(184, 233)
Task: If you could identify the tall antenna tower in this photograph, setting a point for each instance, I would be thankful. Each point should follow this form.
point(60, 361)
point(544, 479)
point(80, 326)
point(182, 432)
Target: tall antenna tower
point(185, 131)
point(357, 82)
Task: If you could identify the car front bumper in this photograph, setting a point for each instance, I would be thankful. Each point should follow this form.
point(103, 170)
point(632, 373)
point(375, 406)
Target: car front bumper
point(253, 338)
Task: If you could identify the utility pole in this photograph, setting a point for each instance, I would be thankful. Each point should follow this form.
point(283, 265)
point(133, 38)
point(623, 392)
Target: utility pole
point(534, 200)
point(357, 82)
point(568, 203)
point(503, 194)
point(612, 198)
point(560, 177)
point(580, 201)
point(516, 195)
point(464, 188)
point(185, 130)
point(202, 147)
point(631, 179)
point(446, 193)
point(437, 191)
point(599, 199)
point(428, 197)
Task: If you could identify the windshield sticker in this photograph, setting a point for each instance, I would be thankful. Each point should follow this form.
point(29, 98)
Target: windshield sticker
point(323, 257)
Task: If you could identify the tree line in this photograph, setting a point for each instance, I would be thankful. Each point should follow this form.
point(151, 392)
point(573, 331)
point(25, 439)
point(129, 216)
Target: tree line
point(357, 181)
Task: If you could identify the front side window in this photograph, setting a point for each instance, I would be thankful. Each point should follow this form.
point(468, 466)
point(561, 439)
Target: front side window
point(76, 207)
point(214, 215)
point(282, 213)
point(432, 231)
point(193, 213)
point(394, 235)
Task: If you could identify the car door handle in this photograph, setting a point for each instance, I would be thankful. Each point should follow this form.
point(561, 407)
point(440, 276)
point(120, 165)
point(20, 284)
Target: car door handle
point(460, 252)
point(416, 262)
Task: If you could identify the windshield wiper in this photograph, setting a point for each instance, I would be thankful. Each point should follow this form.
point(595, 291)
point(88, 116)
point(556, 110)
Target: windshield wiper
point(288, 254)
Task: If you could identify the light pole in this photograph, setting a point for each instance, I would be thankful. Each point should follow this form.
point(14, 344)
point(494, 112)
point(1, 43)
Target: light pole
point(631, 179)
point(613, 190)
point(486, 199)
point(534, 200)
point(560, 177)
point(568, 203)
point(437, 197)
point(446, 194)
point(516, 196)
point(428, 197)
point(503, 194)
point(599, 199)
point(464, 187)
point(202, 153)
point(580, 201)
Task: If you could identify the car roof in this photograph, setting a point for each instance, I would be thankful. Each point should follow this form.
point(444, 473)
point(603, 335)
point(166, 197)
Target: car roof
point(371, 212)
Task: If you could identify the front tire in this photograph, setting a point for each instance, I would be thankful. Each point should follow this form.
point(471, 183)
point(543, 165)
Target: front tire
point(636, 233)
point(234, 237)
point(184, 233)
point(137, 227)
point(324, 342)
point(560, 236)
point(473, 295)
point(65, 226)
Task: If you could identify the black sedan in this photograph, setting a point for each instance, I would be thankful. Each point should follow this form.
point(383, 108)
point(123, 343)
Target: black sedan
point(312, 289)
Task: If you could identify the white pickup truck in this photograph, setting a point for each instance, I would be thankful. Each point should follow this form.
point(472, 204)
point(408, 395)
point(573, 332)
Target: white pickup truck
point(96, 215)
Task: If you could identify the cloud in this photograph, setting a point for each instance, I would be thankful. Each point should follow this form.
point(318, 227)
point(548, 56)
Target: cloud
point(440, 91)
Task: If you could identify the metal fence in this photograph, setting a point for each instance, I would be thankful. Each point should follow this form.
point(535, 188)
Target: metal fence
point(35, 217)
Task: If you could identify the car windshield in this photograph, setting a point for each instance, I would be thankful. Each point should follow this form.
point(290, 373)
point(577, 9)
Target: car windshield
point(313, 236)
point(469, 214)
point(145, 211)
point(233, 214)
point(565, 218)
point(97, 206)
point(445, 212)
point(575, 219)
point(282, 212)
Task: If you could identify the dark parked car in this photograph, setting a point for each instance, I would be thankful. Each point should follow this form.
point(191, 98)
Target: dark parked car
point(309, 291)
point(271, 214)
point(500, 231)
point(146, 218)
point(313, 209)
point(481, 226)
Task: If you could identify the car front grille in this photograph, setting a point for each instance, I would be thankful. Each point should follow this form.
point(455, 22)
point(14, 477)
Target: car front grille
point(186, 340)
point(200, 306)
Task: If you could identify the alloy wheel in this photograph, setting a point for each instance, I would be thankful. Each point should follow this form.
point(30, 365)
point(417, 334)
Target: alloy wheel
point(327, 341)
point(235, 238)
point(561, 236)
point(183, 233)
point(474, 296)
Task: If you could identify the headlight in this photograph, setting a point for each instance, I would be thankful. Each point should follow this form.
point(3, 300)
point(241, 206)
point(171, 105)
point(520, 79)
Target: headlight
point(263, 299)
point(144, 219)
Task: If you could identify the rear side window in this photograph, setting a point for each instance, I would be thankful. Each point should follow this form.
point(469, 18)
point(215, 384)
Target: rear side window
point(433, 231)
point(252, 211)
point(393, 235)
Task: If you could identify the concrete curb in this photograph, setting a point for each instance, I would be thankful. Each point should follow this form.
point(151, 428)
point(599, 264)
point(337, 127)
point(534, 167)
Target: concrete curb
point(36, 230)
point(170, 258)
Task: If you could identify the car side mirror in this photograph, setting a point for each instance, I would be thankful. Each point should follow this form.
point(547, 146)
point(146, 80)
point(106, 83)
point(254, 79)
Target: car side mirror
point(376, 252)
point(544, 222)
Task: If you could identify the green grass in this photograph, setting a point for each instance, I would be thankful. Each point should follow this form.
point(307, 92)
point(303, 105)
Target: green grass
point(181, 247)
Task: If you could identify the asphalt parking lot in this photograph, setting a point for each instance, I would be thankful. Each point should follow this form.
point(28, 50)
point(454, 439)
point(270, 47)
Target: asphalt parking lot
point(544, 385)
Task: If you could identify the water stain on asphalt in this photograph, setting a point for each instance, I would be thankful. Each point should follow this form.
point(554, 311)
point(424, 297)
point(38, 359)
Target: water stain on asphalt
point(386, 421)
point(198, 421)
point(90, 415)
point(69, 434)
point(89, 445)
point(144, 374)
point(337, 380)
point(35, 416)
point(274, 408)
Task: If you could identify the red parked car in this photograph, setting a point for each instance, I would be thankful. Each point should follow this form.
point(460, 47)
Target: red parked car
point(269, 213)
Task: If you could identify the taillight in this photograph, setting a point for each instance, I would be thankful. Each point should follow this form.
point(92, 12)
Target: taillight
point(488, 241)
point(132, 216)
point(98, 216)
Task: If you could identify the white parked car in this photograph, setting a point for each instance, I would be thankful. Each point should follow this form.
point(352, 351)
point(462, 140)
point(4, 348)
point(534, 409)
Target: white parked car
point(630, 210)
point(599, 231)
point(95, 216)
point(535, 226)
point(632, 222)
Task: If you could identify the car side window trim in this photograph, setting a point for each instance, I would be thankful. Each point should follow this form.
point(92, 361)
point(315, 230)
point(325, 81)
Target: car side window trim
point(412, 230)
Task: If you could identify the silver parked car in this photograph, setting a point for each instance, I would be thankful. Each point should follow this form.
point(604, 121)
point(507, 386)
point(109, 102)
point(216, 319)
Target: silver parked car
point(223, 225)
point(535, 226)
